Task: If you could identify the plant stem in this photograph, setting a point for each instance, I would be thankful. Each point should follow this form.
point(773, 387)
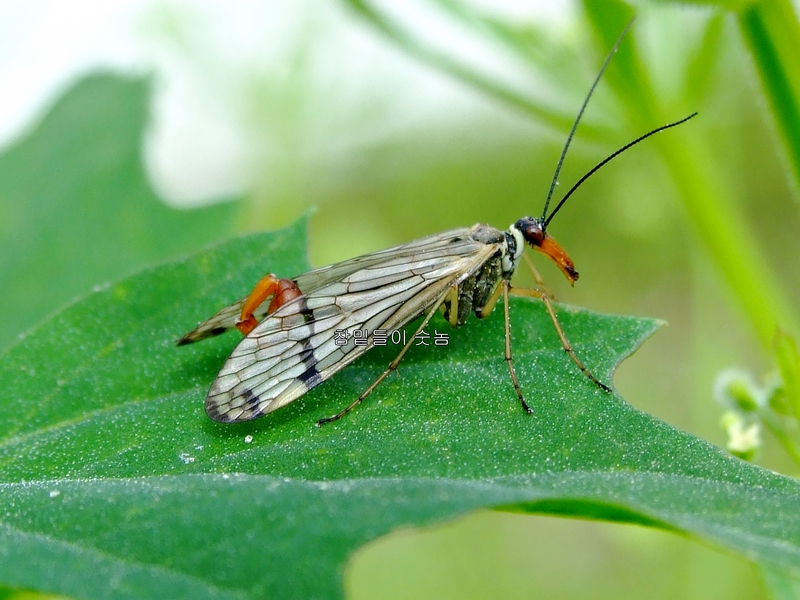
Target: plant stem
point(772, 33)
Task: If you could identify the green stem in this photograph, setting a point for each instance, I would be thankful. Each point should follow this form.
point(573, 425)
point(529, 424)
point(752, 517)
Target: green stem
point(723, 231)
point(466, 73)
point(788, 359)
point(772, 33)
point(780, 434)
point(720, 225)
point(722, 228)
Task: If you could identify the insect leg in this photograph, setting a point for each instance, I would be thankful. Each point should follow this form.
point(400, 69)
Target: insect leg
point(487, 308)
point(502, 289)
point(392, 365)
point(564, 341)
point(452, 298)
point(509, 358)
point(283, 291)
point(536, 277)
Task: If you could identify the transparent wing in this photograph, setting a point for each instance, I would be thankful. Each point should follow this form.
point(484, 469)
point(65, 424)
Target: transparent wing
point(309, 282)
point(418, 249)
point(293, 349)
point(221, 322)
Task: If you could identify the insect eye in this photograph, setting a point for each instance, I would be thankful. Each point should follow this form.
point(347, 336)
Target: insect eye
point(531, 230)
point(534, 235)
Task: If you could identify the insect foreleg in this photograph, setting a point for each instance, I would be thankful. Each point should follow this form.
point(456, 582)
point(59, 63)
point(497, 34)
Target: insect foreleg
point(283, 291)
point(564, 341)
point(392, 365)
point(536, 277)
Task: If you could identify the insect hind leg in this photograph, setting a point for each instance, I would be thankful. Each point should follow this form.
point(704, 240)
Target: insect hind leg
point(564, 341)
point(392, 365)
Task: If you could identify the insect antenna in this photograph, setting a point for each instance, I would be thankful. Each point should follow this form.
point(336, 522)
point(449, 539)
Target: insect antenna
point(578, 119)
point(607, 159)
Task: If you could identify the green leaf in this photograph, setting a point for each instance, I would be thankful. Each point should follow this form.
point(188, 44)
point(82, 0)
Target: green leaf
point(76, 208)
point(116, 485)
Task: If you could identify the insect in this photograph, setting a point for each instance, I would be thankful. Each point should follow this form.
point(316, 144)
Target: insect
point(290, 324)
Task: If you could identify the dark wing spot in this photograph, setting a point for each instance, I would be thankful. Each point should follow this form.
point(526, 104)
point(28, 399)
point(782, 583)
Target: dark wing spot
point(310, 377)
point(195, 336)
point(213, 412)
point(251, 400)
point(306, 356)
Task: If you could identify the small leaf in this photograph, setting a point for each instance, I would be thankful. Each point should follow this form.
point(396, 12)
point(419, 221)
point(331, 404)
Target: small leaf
point(116, 484)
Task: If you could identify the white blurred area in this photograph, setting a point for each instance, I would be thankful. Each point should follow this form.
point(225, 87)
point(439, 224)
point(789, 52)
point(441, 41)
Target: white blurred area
point(244, 88)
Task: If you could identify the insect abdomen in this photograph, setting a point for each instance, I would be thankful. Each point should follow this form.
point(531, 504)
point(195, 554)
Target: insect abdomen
point(486, 281)
point(475, 292)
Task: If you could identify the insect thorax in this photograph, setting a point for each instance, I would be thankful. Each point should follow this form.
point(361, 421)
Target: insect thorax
point(476, 290)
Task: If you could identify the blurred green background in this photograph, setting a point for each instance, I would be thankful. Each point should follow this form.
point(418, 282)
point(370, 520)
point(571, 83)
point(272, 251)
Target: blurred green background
point(698, 226)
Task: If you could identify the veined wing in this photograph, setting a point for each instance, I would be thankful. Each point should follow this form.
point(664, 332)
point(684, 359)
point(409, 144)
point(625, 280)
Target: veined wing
point(221, 322)
point(293, 349)
point(309, 282)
